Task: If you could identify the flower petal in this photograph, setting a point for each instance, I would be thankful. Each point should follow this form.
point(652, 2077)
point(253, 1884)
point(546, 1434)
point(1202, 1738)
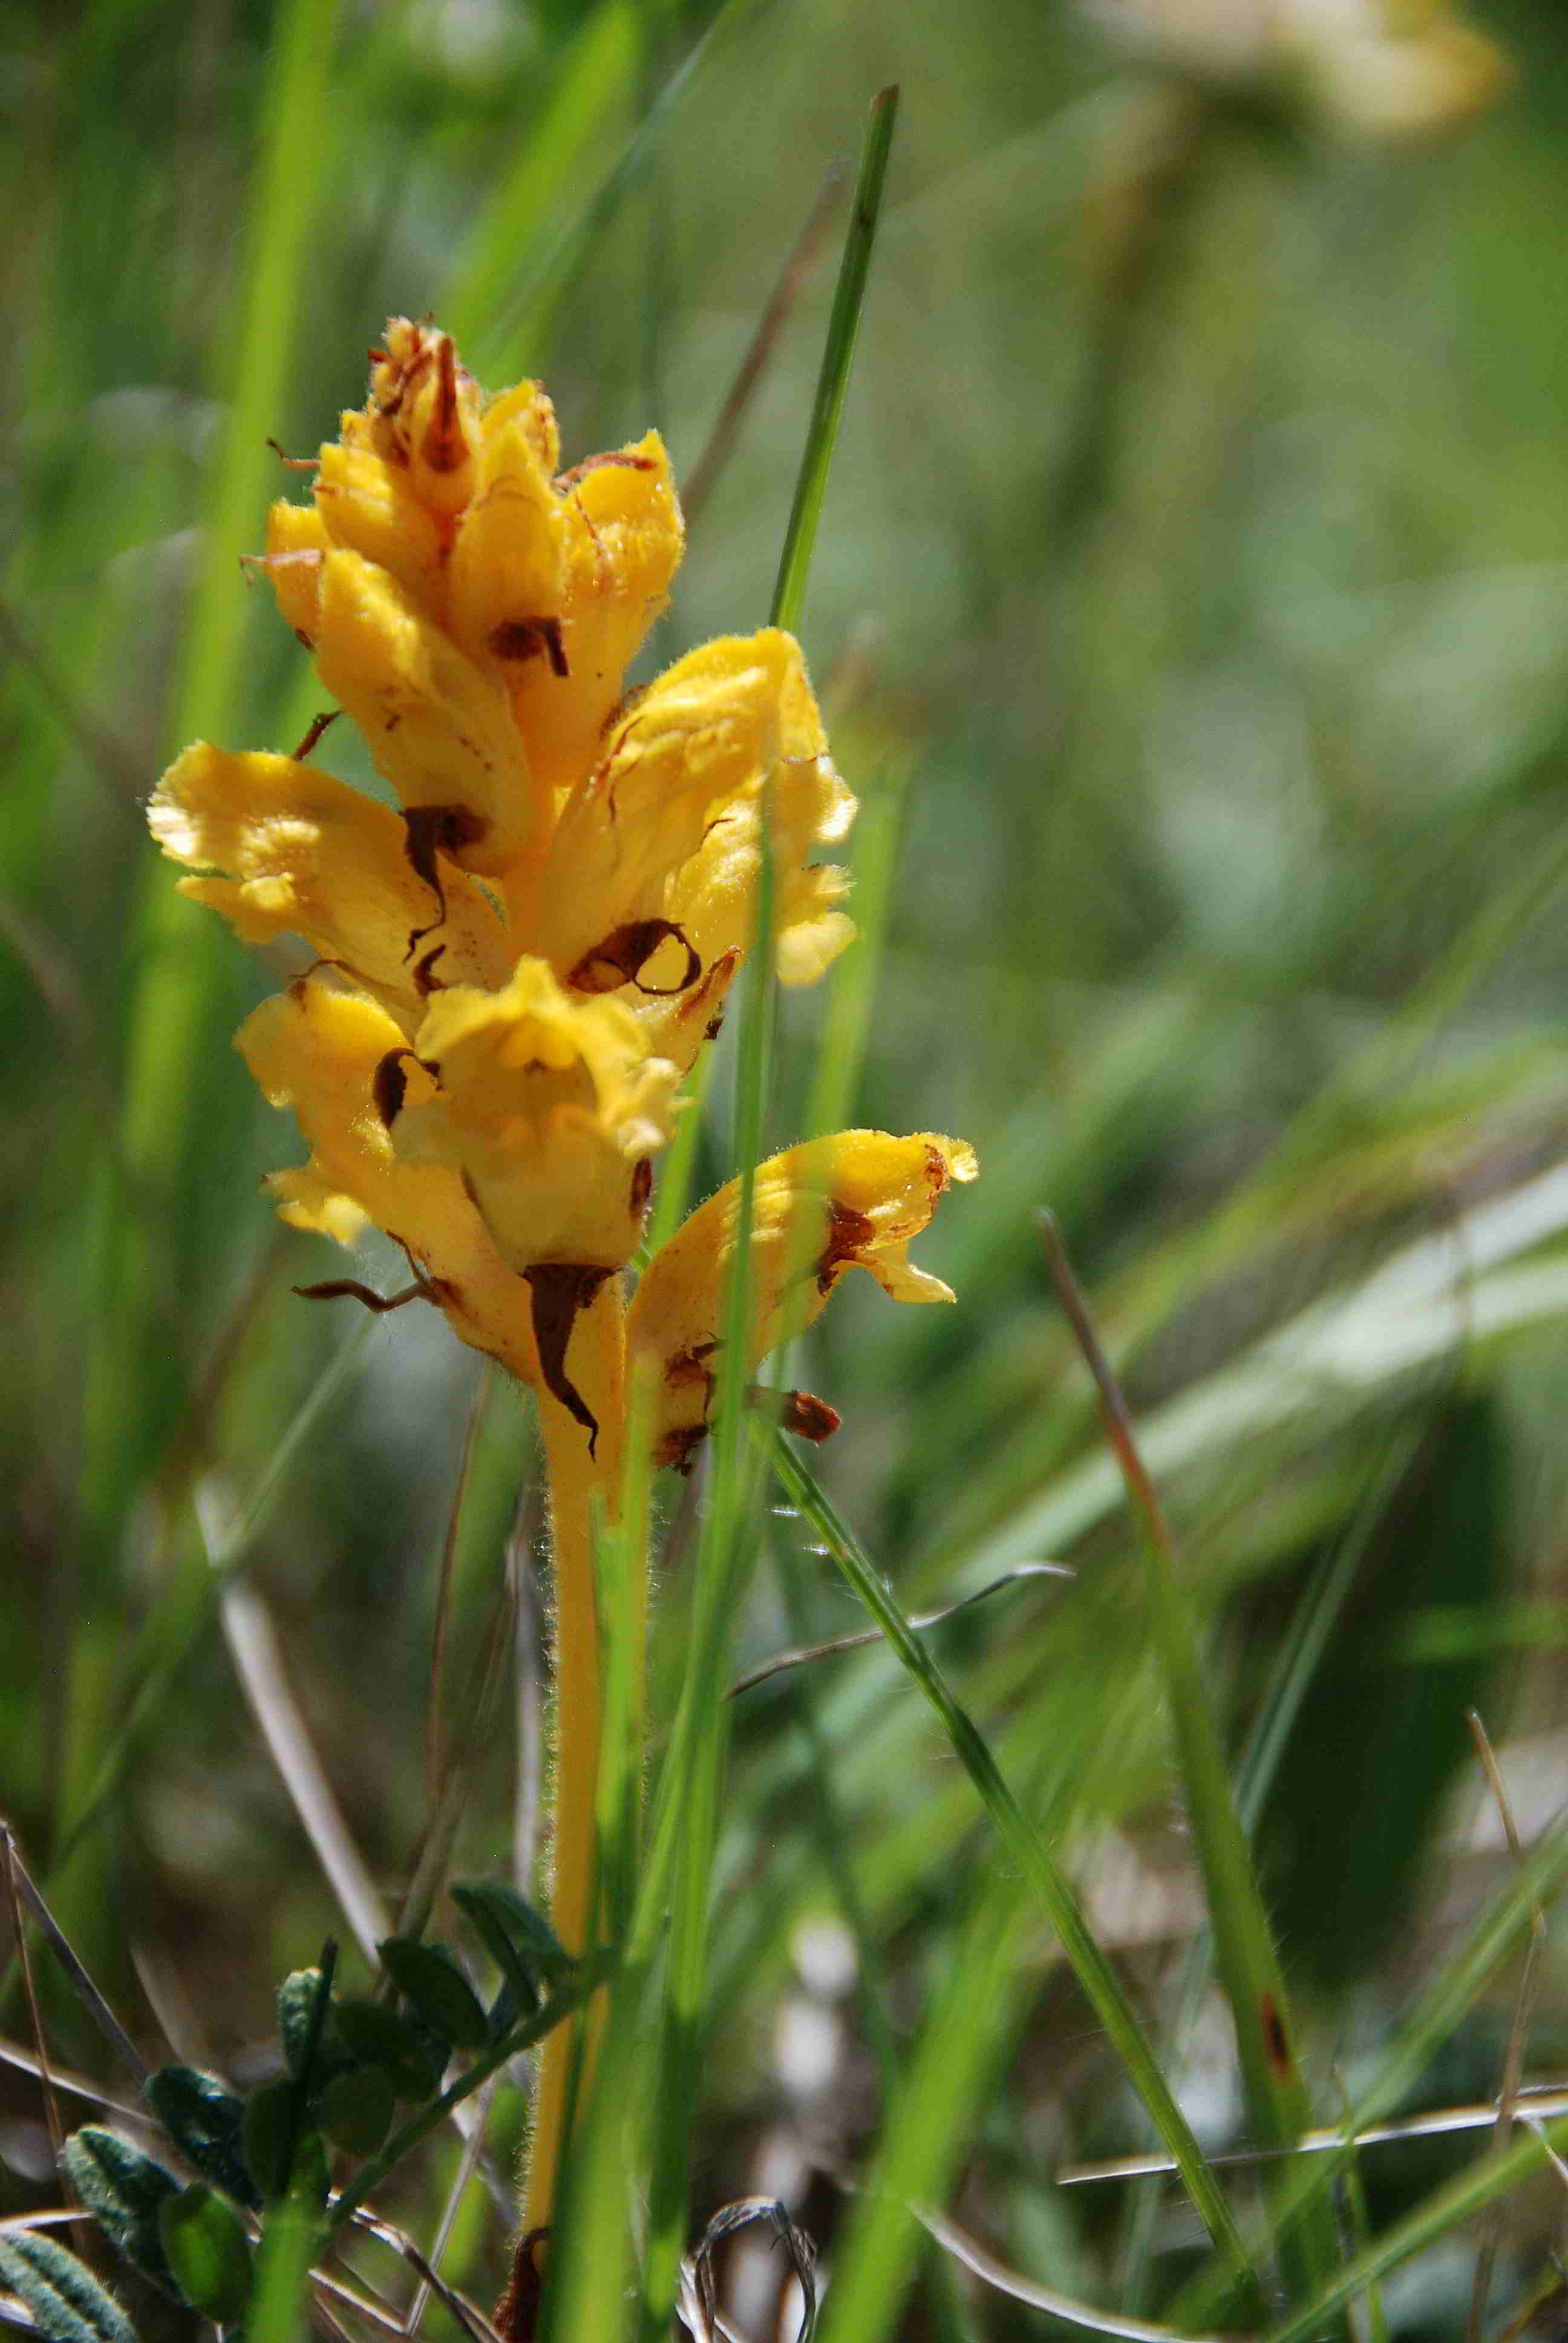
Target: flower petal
point(508, 574)
point(438, 726)
point(298, 543)
point(548, 1108)
point(322, 1052)
point(854, 1201)
point(622, 536)
point(302, 853)
point(663, 841)
point(423, 413)
point(369, 505)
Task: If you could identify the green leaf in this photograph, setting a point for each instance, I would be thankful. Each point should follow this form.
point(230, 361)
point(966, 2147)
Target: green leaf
point(523, 1944)
point(378, 2036)
point(67, 2302)
point(297, 1999)
point(206, 2121)
point(271, 2120)
point(355, 2110)
point(1388, 1735)
point(268, 2121)
point(208, 2252)
point(124, 2190)
point(428, 1977)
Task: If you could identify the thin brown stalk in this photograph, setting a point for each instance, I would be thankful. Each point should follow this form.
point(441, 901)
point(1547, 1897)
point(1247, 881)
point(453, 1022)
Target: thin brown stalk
point(985, 2266)
point(704, 473)
point(111, 762)
point(467, 2164)
point(253, 1644)
point(34, 2016)
point(82, 1984)
point(800, 1655)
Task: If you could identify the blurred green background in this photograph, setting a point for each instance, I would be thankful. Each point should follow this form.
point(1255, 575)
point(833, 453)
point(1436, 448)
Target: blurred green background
point(1191, 613)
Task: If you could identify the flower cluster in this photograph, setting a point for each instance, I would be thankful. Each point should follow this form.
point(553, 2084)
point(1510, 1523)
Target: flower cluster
point(514, 970)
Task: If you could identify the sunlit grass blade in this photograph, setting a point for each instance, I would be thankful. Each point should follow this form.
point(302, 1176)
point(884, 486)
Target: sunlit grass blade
point(832, 382)
point(1244, 1953)
point(178, 955)
point(523, 310)
point(1437, 2216)
point(687, 1817)
point(1438, 2012)
point(1088, 1964)
point(1301, 1651)
point(931, 2115)
point(595, 83)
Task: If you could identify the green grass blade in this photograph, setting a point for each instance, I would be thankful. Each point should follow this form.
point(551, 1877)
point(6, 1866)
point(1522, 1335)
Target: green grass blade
point(843, 324)
point(1449, 1995)
point(1088, 1964)
point(931, 2117)
point(1244, 1953)
point(1435, 2217)
point(687, 1824)
point(595, 83)
point(180, 956)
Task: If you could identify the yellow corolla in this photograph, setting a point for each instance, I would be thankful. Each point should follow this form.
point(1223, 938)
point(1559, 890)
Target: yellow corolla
point(512, 967)
point(852, 1201)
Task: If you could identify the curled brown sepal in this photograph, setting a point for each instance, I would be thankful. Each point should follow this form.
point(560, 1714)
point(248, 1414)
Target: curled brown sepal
point(390, 1083)
point(432, 830)
point(622, 955)
point(516, 2315)
point(350, 1289)
point(799, 1411)
point(527, 638)
point(561, 1289)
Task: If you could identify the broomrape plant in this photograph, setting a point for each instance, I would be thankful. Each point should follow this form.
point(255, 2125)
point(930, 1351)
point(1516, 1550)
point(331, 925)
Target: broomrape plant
point(516, 972)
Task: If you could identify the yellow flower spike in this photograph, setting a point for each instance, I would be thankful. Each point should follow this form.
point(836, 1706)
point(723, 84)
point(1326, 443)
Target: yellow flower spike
point(528, 955)
point(322, 1052)
point(298, 542)
point(549, 1106)
point(549, 1109)
point(507, 576)
point(369, 507)
point(853, 1200)
point(438, 728)
point(624, 537)
point(298, 852)
point(424, 414)
point(649, 889)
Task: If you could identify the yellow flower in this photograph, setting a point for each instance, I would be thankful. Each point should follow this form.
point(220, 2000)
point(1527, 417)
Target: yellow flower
point(512, 969)
point(532, 946)
point(652, 870)
point(854, 1201)
point(303, 854)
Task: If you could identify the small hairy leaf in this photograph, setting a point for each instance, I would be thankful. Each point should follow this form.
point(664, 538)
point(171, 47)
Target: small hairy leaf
point(207, 2252)
point(67, 2302)
point(297, 1999)
point(378, 2036)
point(205, 2120)
point(355, 2110)
point(270, 2121)
point(430, 1980)
point(124, 2190)
point(523, 1944)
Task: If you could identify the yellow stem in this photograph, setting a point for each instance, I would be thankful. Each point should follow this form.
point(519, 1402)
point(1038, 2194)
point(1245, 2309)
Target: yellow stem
point(596, 1363)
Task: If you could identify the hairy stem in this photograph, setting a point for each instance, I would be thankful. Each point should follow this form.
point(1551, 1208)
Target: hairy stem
point(576, 1480)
